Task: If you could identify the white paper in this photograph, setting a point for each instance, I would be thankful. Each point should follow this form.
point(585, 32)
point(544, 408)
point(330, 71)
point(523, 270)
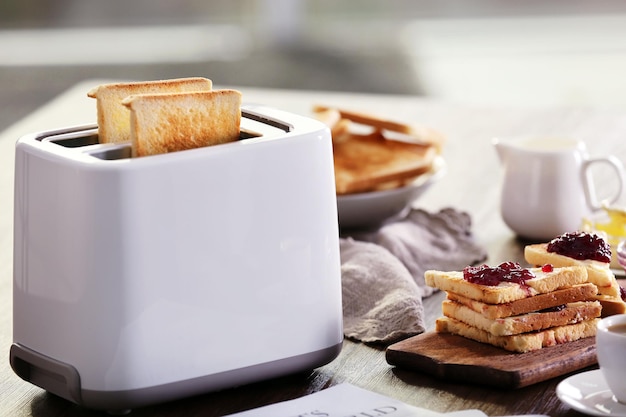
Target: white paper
point(346, 400)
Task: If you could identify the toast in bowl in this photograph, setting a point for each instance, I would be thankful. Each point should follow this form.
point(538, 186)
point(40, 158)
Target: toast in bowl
point(373, 154)
point(373, 163)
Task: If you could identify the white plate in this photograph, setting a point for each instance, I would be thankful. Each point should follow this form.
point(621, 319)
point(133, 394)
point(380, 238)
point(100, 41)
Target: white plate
point(368, 209)
point(588, 393)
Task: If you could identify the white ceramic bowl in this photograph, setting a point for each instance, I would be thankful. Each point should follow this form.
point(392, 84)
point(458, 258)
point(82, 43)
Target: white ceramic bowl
point(372, 208)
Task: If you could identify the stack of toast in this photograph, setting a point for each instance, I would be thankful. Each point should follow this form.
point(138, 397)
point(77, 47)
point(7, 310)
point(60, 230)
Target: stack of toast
point(374, 154)
point(554, 306)
point(557, 302)
point(167, 115)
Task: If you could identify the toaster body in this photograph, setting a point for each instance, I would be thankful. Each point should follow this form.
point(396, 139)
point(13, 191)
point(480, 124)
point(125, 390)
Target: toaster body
point(142, 280)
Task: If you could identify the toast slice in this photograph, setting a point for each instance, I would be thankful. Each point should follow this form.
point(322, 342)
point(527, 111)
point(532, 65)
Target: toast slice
point(598, 272)
point(114, 118)
point(520, 343)
point(611, 305)
point(366, 163)
point(580, 292)
point(331, 117)
point(170, 122)
point(529, 322)
point(416, 133)
point(505, 292)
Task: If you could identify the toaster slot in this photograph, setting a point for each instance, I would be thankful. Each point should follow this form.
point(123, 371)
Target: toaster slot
point(265, 120)
point(248, 134)
point(112, 152)
point(77, 139)
point(85, 140)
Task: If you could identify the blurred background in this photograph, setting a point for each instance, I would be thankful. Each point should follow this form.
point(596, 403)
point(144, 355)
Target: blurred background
point(477, 52)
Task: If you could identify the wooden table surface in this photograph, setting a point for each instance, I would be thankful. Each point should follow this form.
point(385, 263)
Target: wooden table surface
point(471, 184)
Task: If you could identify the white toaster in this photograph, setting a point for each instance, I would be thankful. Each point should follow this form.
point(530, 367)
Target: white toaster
point(142, 280)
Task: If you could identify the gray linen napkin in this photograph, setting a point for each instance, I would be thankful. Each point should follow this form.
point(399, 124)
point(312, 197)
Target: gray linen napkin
point(381, 302)
point(383, 271)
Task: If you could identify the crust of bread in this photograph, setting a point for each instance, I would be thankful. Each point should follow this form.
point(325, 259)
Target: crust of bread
point(611, 305)
point(366, 162)
point(598, 272)
point(339, 128)
point(170, 122)
point(366, 119)
point(529, 322)
point(114, 118)
point(422, 134)
point(520, 343)
point(505, 292)
point(580, 292)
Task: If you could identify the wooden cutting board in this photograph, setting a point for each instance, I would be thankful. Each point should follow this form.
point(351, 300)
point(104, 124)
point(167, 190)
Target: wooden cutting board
point(455, 358)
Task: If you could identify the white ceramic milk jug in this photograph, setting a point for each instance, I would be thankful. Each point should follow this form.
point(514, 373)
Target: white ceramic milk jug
point(547, 187)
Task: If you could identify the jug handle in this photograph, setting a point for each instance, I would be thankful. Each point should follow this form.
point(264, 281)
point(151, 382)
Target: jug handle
point(590, 194)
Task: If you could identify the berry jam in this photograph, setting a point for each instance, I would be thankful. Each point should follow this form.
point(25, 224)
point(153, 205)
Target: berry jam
point(547, 268)
point(505, 272)
point(581, 246)
point(553, 309)
point(622, 293)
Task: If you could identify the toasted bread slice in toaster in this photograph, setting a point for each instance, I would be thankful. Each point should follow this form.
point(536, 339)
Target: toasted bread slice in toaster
point(520, 343)
point(505, 292)
point(170, 122)
point(580, 292)
point(370, 162)
point(114, 118)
